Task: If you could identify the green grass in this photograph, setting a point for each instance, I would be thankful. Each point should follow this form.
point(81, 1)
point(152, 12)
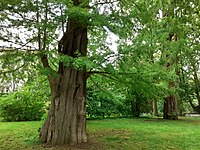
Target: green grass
point(116, 134)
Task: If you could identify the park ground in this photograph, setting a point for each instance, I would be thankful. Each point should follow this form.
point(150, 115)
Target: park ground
point(112, 134)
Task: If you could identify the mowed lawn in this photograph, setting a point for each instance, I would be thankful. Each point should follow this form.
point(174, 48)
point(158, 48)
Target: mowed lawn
point(116, 134)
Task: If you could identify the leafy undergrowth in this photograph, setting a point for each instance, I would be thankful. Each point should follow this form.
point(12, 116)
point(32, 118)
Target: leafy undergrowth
point(112, 134)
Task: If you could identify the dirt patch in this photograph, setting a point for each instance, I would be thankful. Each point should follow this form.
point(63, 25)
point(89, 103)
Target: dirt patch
point(108, 132)
point(154, 120)
point(192, 121)
point(99, 139)
point(94, 141)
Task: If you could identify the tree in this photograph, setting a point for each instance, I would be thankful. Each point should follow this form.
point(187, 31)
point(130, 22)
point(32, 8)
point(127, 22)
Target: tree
point(147, 48)
point(182, 17)
point(66, 121)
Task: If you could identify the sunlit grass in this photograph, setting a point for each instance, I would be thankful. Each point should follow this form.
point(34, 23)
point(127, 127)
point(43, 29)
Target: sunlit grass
point(118, 134)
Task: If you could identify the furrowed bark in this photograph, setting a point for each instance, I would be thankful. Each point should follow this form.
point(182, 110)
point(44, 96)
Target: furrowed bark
point(66, 121)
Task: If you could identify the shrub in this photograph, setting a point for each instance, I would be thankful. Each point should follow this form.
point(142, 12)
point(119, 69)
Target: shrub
point(21, 106)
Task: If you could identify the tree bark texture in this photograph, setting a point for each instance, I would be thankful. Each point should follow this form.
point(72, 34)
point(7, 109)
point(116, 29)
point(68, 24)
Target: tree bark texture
point(170, 108)
point(66, 121)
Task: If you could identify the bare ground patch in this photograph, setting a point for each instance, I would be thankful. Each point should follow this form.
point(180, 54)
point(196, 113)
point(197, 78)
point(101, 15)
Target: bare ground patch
point(94, 142)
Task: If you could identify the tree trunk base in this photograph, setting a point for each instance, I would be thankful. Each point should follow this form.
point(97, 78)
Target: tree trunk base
point(170, 108)
point(66, 121)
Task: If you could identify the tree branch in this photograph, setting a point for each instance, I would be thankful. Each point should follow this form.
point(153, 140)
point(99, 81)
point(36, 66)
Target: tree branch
point(97, 72)
point(14, 49)
point(2, 48)
point(14, 69)
point(102, 2)
point(44, 58)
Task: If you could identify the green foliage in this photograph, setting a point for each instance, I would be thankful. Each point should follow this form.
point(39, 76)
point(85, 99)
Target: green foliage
point(17, 67)
point(78, 13)
point(26, 105)
point(77, 63)
point(136, 104)
point(21, 107)
point(100, 105)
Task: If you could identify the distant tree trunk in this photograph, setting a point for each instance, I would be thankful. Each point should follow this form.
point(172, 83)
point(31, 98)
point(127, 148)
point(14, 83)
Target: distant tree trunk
point(135, 107)
point(134, 103)
point(170, 108)
point(170, 104)
point(102, 114)
point(155, 108)
point(197, 84)
point(66, 121)
point(132, 108)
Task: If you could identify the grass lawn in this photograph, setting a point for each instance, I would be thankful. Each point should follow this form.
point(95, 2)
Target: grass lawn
point(112, 134)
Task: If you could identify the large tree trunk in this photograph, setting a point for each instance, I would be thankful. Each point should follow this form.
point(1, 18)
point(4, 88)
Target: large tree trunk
point(66, 121)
